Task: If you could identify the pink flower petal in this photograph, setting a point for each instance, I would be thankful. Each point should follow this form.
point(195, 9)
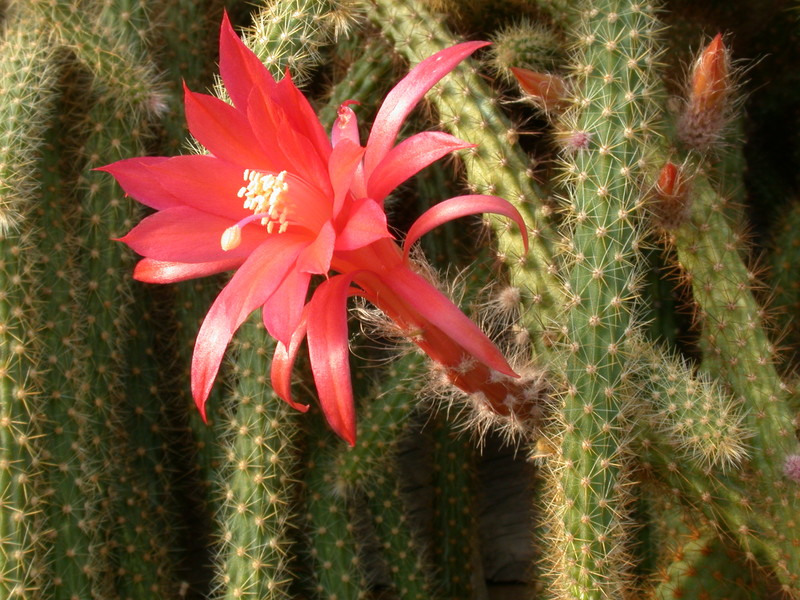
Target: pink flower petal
point(404, 97)
point(283, 310)
point(462, 206)
point(432, 305)
point(133, 174)
point(286, 146)
point(240, 68)
point(408, 158)
point(187, 235)
point(250, 287)
point(345, 159)
point(301, 115)
point(316, 257)
point(148, 270)
point(282, 364)
point(328, 351)
point(366, 223)
point(224, 131)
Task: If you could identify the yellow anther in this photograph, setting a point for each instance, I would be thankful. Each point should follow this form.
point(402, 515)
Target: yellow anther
point(262, 195)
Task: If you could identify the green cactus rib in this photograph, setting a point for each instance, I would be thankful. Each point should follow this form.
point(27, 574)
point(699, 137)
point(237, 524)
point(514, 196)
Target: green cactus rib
point(256, 478)
point(737, 346)
point(410, 573)
point(27, 102)
point(69, 471)
point(455, 547)
point(470, 111)
point(108, 41)
point(526, 44)
point(785, 262)
point(336, 566)
point(610, 129)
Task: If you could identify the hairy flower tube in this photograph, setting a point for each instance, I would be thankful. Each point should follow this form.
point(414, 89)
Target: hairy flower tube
point(277, 201)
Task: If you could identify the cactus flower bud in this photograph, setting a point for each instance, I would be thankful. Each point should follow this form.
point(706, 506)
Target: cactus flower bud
point(547, 91)
point(670, 198)
point(707, 107)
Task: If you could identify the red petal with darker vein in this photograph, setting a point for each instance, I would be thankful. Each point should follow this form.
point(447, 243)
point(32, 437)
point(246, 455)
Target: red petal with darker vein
point(328, 351)
point(366, 223)
point(187, 235)
point(462, 206)
point(203, 182)
point(408, 158)
point(406, 94)
point(133, 175)
point(224, 131)
point(431, 304)
point(282, 312)
point(250, 287)
point(158, 271)
point(240, 68)
point(282, 364)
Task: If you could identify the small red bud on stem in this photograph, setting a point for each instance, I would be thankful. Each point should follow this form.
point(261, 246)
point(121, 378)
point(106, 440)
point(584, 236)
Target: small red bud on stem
point(548, 91)
point(708, 104)
point(671, 198)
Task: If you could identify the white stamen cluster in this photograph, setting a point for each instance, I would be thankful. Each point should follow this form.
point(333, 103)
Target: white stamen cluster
point(262, 195)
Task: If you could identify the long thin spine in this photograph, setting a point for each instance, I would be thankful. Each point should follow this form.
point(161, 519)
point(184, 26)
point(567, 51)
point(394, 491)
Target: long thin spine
point(608, 128)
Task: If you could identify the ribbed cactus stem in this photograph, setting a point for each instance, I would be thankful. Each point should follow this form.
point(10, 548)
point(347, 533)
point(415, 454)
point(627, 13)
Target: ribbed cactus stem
point(27, 82)
point(336, 566)
point(613, 108)
point(256, 478)
point(739, 350)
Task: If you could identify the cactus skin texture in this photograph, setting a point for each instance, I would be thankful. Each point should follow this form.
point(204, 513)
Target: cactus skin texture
point(26, 103)
point(664, 455)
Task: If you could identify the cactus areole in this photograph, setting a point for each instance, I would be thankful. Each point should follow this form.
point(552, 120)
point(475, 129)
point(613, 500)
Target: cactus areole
point(278, 200)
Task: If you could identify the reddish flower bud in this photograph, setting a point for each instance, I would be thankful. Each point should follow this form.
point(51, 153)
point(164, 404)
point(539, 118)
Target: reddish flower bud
point(708, 104)
point(547, 90)
point(671, 198)
point(710, 81)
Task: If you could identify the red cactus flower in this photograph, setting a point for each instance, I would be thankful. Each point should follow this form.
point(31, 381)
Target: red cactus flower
point(278, 201)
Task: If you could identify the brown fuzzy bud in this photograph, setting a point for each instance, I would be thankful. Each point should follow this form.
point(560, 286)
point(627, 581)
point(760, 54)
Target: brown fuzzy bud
point(547, 91)
point(671, 198)
point(707, 107)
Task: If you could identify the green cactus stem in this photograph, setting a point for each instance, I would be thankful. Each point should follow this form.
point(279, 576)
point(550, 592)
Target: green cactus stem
point(27, 101)
point(606, 135)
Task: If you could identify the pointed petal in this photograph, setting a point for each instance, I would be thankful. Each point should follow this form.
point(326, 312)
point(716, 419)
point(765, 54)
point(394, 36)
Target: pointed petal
point(224, 131)
point(148, 270)
point(328, 351)
point(405, 96)
point(287, 146)
point(283, 310)
point(342, 165)
point(408, 158)
point(316, 257)
point(435, 307)
point(249, 288)
point(133, 174)
point(302, 116)
point(187, 235)
point(365, 224)
point(239, 67)
point(462, 206)
point(346, 128)
point(282, 364)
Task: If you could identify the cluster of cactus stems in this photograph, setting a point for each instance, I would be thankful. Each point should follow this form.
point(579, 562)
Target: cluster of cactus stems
point(663, 420)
